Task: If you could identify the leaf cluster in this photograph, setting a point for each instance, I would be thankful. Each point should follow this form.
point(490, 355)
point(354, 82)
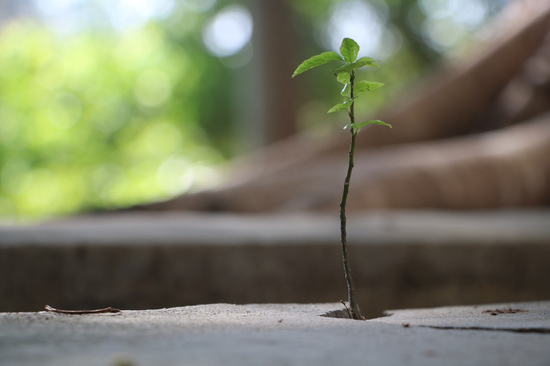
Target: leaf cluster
point(345, 74)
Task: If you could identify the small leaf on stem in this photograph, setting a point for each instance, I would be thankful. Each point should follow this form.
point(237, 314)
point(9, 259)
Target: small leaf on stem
point(343, 78)
point(364, 85)
point(317, 60)
point(365, 61)
point(337, 107)
point(359, 125)
point(346, 91)
point(347, 68)
point(340, 106)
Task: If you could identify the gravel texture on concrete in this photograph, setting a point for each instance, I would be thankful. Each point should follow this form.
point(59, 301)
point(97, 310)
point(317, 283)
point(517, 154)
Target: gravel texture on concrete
point(284, 334)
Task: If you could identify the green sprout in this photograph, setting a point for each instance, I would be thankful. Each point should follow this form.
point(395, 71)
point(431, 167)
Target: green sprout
point(345, 74)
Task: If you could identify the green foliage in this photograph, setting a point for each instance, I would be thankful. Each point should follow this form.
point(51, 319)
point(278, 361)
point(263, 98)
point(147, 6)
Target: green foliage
point(97, 120)
point(315, 61)
point(345, 74)
point(343, 78)
point(365, 61)
point(354, 66)
point(364, 85)
point(142, 103)
point(341, 106)
point(406, 62)
point(349, 50)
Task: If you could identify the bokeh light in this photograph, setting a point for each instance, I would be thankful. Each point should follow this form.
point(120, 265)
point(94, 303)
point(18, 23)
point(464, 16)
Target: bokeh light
point(114, 103)
point(87, 120)
point(228, 31)
point(365, 23)
point(449, 21)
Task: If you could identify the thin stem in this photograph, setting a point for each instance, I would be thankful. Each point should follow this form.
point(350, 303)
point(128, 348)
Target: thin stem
point(354, 307)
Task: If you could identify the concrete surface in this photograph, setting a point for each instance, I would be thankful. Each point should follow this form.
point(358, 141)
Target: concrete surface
point(528, 317)
point(401, 259)
point(286, 334)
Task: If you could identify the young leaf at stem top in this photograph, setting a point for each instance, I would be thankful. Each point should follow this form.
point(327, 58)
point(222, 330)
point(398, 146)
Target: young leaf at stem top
point(318, 60)
point(366, 61)
point(349, 49)
point(362, 62)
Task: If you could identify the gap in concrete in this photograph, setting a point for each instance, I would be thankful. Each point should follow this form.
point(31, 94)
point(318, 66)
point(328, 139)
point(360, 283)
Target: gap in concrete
point(527, 317)
point(513, 330)
point(340, 314)
point(343, 314)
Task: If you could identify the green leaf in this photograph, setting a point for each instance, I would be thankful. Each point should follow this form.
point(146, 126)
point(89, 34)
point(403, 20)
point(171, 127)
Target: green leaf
point(315, 61)
point(363, 86)
point(359, 125)
point(349, 49)
point(347, 68)
point(343, 77)
point(337, 107)
point(362, 62)
point(346, 91)
point(340, 106)
point(365, 61)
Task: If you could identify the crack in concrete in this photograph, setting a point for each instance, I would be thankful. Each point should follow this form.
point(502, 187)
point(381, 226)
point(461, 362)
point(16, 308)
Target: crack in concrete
point(513, 330)
point(340, 314)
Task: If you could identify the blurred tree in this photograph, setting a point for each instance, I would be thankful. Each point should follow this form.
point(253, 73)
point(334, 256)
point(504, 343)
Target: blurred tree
point(96, 120)
point(275, 59)
point(108, 116)
point(434, 161)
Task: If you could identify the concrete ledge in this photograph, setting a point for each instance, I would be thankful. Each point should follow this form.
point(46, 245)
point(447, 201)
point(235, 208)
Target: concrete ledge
point(528, 317)
point(400, 260)
point(287, 334)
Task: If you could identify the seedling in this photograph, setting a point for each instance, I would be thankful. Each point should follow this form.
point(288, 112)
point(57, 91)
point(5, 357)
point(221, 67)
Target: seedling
point(345, 74)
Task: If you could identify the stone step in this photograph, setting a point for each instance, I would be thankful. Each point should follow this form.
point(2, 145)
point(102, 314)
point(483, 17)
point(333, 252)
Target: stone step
point(400, 259)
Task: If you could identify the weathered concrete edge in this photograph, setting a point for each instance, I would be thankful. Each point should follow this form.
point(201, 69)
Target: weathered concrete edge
point(145, 261)
point(418, 226)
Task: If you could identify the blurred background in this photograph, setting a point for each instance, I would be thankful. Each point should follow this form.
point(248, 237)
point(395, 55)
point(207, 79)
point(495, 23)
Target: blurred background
point(107, 104)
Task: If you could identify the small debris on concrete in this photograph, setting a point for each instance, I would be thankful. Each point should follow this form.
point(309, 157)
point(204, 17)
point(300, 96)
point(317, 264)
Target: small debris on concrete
point(429, 353)
point(81, 312)
point(504, 311)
